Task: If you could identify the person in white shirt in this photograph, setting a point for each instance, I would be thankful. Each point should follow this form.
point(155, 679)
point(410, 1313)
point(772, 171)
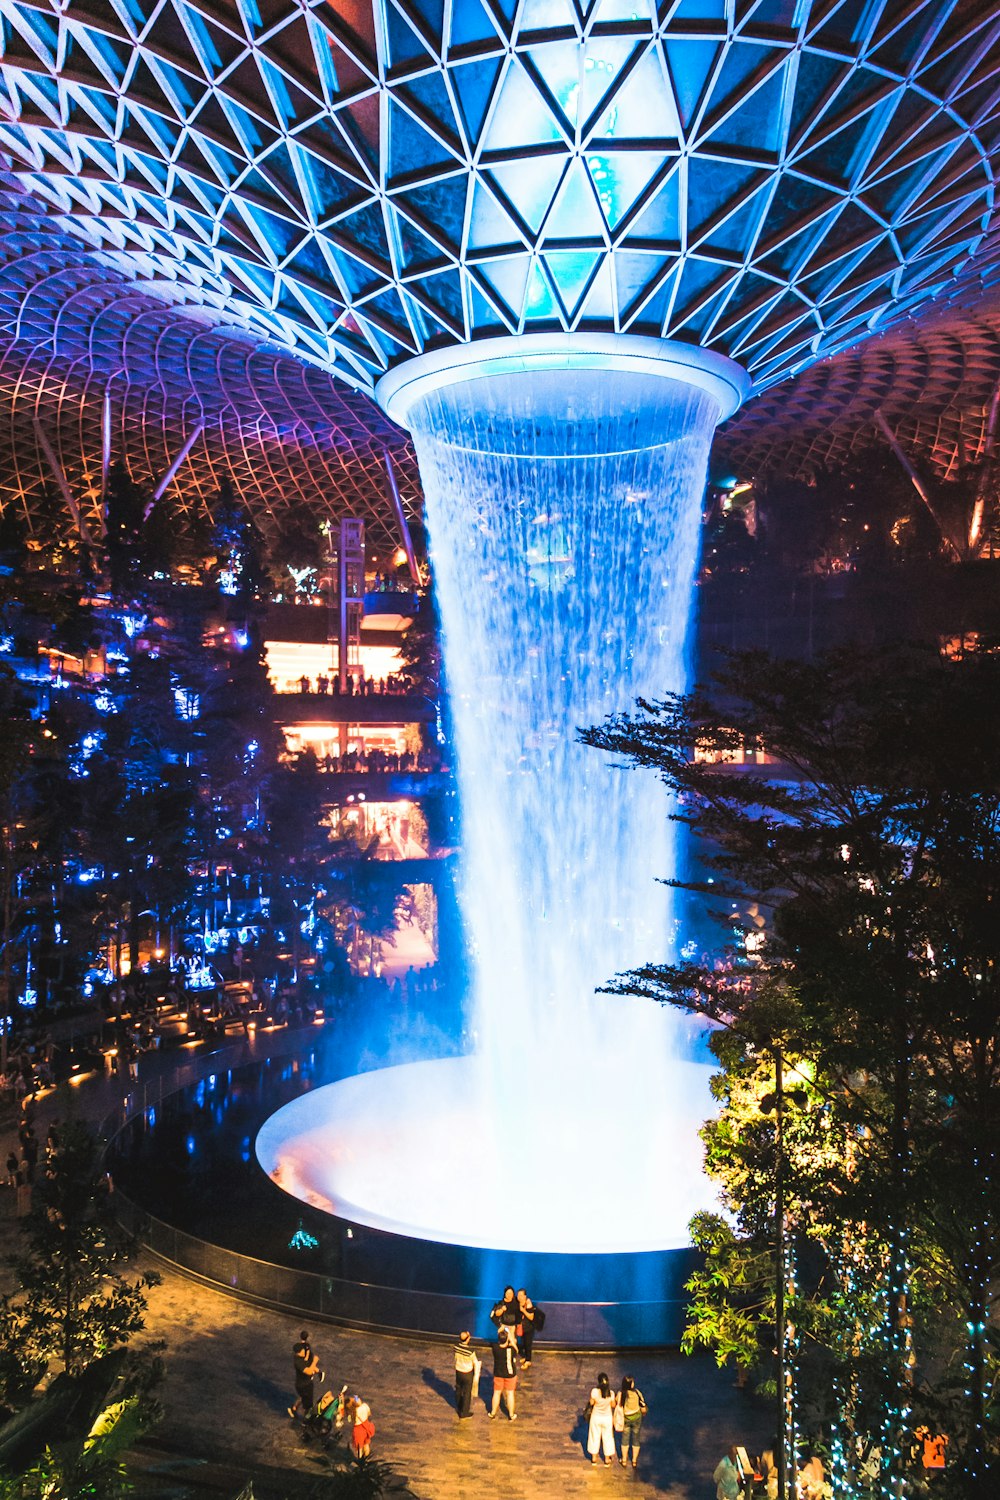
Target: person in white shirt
point(601, 1432)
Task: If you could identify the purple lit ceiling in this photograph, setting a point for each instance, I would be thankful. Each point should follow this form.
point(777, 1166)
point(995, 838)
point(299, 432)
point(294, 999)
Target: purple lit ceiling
point(213, 205)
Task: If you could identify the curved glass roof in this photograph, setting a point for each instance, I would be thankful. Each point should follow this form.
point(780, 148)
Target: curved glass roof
point(205, 196)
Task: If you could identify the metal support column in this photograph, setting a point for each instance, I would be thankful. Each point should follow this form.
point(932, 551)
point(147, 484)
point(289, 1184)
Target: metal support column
point(59, 475)
point(397, 505)
point(175, 465)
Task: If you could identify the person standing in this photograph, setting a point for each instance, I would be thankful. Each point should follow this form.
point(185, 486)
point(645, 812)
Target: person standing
point(364, 1429)
point(632, 1409)
point(727, 1476)
point(505, 1314)
point(529, 1322)
point(467, 1368)
point(306, 1367)
point(600, 1431)
point(504, 1372)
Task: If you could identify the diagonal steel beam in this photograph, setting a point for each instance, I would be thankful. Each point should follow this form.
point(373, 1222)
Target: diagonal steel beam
point(59, 475)
point(918, 484)
point(397, 505)
point(175, 465)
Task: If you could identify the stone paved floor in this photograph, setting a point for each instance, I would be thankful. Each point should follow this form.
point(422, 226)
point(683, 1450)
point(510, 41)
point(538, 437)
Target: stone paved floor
point(228, 1384)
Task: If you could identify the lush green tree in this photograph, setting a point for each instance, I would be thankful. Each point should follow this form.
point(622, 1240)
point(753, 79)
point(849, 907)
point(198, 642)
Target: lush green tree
point(75, 1301)
point(872, 841)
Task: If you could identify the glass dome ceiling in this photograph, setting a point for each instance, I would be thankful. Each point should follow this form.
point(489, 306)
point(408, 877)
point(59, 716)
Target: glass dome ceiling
point(197, 191)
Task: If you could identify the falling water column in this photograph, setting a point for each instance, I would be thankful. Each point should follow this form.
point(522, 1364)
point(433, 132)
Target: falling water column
point(563, 478)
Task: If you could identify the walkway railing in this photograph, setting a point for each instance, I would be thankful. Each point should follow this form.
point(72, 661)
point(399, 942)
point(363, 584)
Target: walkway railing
point(569, 1325)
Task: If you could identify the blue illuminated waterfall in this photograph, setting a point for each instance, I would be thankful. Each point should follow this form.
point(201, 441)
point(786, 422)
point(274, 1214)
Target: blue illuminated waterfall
point(563, 488)
point(564, 512)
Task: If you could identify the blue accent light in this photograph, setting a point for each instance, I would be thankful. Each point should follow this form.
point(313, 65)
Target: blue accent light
point(303, 1240)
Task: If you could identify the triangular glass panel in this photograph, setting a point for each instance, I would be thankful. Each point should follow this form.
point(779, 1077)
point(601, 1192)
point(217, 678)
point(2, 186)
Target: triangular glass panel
point(600, 298)
point(366, 228)
point(660, 222)
point(471, 22)
point(433, 102)
point(652, 314)
point(604, 62)
point(508, 278)
point(521, 118)
point(405, 46)
point(252, 134)
point(277, 164)
point(737, 234)
point(753, 123)
point(635, 274)
point(431, 13)
point(558, 66)
point(361, 118)
point(444, 292)
point(642, 108)
point(224, 164)
point(815, 77)
point(387, 304)
point(691, 63)
point(275, 234)
point(327, 190)
point(715, 187)
point(111, 58)
point(575, 213)
point(441, 204)
point(490, 224)
point(355, 275)
point(621, 178)
point(417, 318)
point(474, 83)
point(571, 270)
point(412, 149)
point(180, 87)
point(539, 300)
point(415, 247)
point(483, 312)
point(340, 73)
point(288, 101)
point(700, 280)
point(529, 186)
point(546, 15)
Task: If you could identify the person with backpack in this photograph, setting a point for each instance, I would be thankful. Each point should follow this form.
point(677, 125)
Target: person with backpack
point(530, 1320)
point(628, 1417)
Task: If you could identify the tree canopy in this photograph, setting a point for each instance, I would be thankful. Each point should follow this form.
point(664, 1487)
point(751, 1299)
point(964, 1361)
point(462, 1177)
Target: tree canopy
point(849, 811)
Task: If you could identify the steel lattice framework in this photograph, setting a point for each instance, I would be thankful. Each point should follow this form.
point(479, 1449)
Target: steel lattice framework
point(355, 181)
point(84, 343)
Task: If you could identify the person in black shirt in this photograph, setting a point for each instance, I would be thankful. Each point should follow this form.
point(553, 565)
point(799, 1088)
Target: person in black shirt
point(306, 1367)
point(506, 1313)
point(504, 1372)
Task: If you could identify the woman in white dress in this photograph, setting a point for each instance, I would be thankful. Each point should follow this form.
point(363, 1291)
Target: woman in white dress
point(601, 1431)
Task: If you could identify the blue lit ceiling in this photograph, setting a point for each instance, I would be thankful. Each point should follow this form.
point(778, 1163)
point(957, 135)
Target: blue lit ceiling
point(353, 181)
